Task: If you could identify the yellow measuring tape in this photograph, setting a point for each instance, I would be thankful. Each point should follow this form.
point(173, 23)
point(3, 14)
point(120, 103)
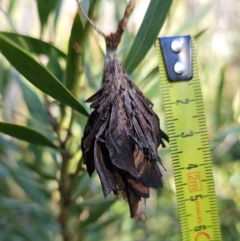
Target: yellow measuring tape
point(189, 145)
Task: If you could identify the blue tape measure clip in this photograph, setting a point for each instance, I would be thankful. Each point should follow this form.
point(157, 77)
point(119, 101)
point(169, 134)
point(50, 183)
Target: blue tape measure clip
point(177, 54)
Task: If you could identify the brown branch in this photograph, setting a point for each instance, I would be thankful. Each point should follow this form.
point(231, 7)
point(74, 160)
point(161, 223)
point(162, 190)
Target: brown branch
point(114, 39)
point(65, 199)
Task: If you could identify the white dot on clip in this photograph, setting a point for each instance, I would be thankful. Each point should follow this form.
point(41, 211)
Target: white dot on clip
point(176, 45)
point(179, 68)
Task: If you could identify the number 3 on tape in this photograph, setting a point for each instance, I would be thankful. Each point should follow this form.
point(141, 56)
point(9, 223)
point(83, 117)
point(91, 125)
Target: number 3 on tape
point(189, 145)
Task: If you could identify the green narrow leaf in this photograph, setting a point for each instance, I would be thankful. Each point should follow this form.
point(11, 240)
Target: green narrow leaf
point(199, 34)
point(38, 75)
point(4, 78)
point(220, 96)
point(25, 134)
point(11, 6)
point(54, 67)
point(90, 77)
point(152, 23)
point(81, 183)
point(27, 180)
point(45, 7)
point(39, 118)
point(57, 12)
point(74, 52)
point(33, 102)
point(36, 46)
point(97, 206)
point(8, 18)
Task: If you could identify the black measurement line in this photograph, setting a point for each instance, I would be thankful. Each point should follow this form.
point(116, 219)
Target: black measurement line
point(177, 152)
point(177, 179)
point(202, 148)
point(180, 168)
point(198, 96)
point(169, 116)
point(181, 209)
point(175, 159)
point(198, 109)
point(208, 170)
point(166, 98)
point(170, 133)
point(175, 136)
point(205, 141)
point(206, 180)
point(165, 95)
point(171, 129)
point(168, 108)
point(173, 120)
point(200, 117)
point(183, 184)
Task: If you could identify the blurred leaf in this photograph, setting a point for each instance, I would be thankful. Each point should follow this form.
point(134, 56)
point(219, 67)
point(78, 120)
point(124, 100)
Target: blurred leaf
point(101, 225)
point(97, 206)
point(36, 46)
point(57, 12)
point(235, 129)
point(45, 7)
point(25, 134)
point(97, 200)
point(219, 96)
point(37, 74)
point(54, 66)
point(38, 169)
point(35, 219)
point(4, 77)
point(192, 22)
point(6, 145)
point(89, 75)
point(154, 18)
point(199, 34)
point(35, 106)
point(74, 52)
point(81, 183)
point(27, 234)
point(8, 17)
point(28, 186)
point(150, 75)
point(11, 5)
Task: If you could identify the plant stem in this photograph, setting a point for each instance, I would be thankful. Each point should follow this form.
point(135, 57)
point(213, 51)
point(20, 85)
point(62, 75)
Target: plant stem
point(65, 200)
point(65, 182)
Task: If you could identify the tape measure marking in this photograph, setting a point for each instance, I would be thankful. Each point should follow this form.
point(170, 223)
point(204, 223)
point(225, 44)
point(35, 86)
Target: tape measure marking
point(191, 157)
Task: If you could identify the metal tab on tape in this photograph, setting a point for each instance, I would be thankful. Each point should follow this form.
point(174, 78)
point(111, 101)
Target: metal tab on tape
point(177, 53)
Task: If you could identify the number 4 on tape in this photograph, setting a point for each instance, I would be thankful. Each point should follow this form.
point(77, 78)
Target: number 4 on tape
point(189, 145)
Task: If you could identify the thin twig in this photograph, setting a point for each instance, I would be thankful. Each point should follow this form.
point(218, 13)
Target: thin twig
point(123, 23)
point(89, 20)
point(65, 198)
point(113, 39)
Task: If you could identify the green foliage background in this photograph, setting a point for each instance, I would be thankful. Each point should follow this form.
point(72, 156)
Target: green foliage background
point(50, 62)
